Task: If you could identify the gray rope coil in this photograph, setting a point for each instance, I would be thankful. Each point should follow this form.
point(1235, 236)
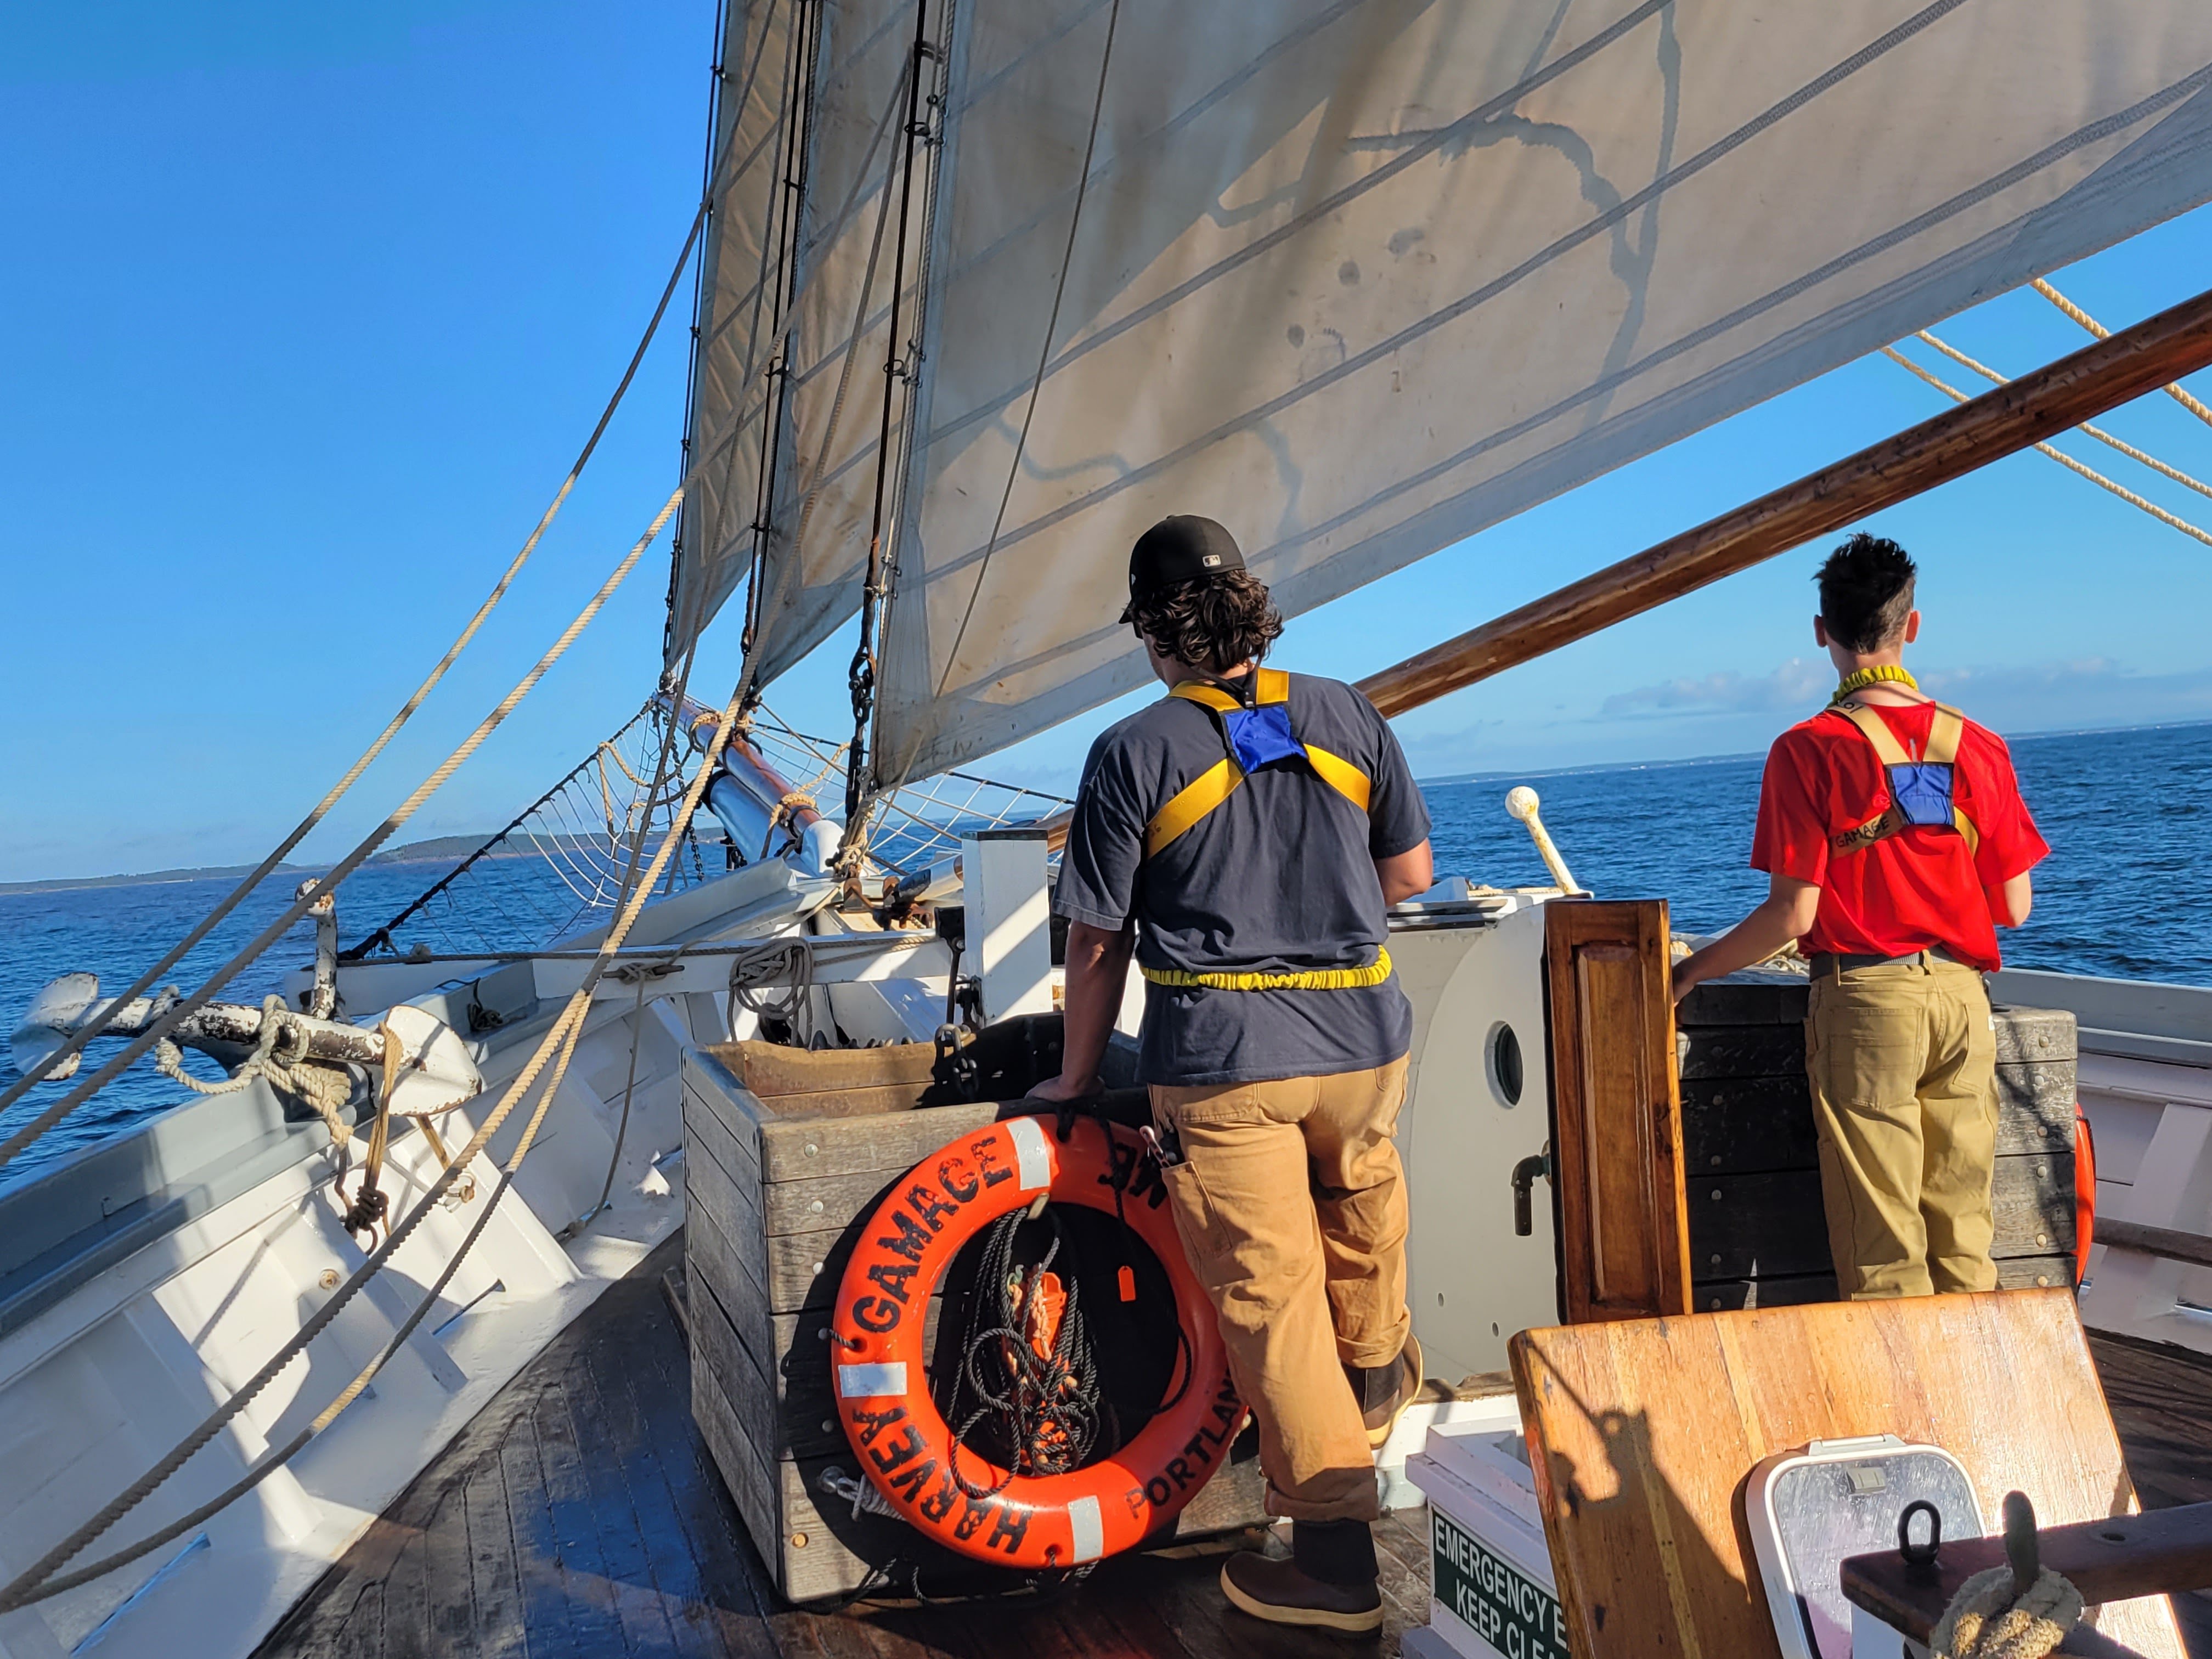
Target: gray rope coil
point(280, 1056)
point(788, 963)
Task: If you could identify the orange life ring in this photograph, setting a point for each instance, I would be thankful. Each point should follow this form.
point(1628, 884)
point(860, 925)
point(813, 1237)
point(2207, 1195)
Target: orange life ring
point(2085, 1194)
point(903, 1441)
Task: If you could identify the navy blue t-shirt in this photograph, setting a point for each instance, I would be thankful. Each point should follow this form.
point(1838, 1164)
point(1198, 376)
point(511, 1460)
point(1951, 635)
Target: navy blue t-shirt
point(1279, 877)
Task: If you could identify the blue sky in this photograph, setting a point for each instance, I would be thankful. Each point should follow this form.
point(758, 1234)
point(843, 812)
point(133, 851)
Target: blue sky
point(309, 309)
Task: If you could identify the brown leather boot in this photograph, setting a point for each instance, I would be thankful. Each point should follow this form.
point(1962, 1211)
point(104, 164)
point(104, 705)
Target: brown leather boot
point(1385, 1391)
point(1284, 1593)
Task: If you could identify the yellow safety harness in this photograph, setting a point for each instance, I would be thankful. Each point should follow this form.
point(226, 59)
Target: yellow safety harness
point(1942, 752)
point(1190, 804)
point(1219, 782)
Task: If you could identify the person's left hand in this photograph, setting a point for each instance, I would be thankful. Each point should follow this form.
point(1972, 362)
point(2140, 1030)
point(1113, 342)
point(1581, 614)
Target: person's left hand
point(1064, 1087)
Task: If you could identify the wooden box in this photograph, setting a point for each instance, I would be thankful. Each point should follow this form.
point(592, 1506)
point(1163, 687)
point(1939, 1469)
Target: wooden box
point(786, 1154)
point(1757, 1237)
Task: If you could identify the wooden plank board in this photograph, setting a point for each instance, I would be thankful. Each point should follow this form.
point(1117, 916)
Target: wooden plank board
point(742, 1471)
point(1746, 1226)
point(1743, 1126)
point(1641, 1434)
point(770, 1069)
point(744, 1381)
point(802, 1149)
point(1617, 1127)
point(708, 1191)
point(710, 1088)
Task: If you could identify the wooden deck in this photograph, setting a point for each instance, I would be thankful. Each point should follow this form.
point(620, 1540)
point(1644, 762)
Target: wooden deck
point(579, 1514)
point(2161, 1402)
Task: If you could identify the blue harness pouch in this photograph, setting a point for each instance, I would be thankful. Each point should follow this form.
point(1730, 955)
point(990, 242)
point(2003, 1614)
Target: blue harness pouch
point(1258, 737)
point(1922, 792)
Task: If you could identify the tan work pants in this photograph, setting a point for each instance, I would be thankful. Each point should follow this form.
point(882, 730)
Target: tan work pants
point(1292, 1206)
point(1902, 1062)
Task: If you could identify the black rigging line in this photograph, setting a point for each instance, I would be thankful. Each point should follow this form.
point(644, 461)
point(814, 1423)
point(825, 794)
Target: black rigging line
point(861, 677)
point(799, 114)
point(382, 936)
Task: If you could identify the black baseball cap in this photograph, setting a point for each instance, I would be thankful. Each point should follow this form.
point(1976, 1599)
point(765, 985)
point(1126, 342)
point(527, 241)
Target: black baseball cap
point(1184, 548)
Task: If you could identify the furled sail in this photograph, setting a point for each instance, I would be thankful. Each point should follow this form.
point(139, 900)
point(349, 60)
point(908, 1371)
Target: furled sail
point(1359, 278)
point(808, 304)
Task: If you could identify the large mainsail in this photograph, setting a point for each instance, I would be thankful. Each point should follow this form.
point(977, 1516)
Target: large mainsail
point(1359, 279)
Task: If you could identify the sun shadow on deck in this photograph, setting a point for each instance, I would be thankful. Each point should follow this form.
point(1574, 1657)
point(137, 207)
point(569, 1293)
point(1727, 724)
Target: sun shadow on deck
point(578, 1513)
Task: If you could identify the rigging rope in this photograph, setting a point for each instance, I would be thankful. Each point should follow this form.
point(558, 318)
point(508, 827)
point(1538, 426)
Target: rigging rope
point(44, 1578)
point(76, 1041)
point(328, 883)
point(2063, 460)
point(383, 935)
point(2173, 389)
point(2096, 432)
point(860, 676)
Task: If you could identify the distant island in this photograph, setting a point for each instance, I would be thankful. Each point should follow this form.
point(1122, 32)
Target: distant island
point(438, 849)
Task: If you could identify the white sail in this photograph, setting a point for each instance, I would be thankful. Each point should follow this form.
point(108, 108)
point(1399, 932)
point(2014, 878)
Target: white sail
point(732, 399)
point(836, 292)
point(1359, 278)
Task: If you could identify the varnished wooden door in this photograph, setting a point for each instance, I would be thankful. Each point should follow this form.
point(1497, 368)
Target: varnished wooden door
point(1617, 1119)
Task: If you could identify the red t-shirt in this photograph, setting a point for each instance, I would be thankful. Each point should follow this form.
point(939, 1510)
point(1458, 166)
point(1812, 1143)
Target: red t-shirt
point(1910, 891)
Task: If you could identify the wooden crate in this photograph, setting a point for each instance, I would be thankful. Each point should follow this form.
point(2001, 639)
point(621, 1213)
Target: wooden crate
point(1757, 1237)
point(786, 1154)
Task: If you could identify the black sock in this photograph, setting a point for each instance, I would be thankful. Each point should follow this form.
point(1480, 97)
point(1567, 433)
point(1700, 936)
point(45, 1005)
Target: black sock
point(1335, 1551)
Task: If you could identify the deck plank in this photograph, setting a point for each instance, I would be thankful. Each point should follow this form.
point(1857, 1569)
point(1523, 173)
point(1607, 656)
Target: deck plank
point(2160, 1399)
point(580, 1514)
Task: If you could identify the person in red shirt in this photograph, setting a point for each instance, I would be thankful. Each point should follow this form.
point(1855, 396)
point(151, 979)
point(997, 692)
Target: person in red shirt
point(1896, 843)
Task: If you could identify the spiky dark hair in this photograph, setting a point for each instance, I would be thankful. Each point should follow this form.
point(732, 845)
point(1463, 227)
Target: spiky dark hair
point(1866, 592)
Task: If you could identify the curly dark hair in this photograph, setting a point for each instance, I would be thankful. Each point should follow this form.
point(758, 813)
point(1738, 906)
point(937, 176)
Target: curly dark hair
point(1213, 624)
point(1866, 592)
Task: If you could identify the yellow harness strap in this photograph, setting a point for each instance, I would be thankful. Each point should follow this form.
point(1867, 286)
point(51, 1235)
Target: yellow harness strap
point(1219, 782)
point(1944, 736)
point(1319, 979)
point(1215, 785)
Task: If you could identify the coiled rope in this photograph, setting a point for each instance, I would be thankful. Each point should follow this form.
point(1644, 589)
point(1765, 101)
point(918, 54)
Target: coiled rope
point(45, 1576)
point(1988, 1618)
point(280, 1054)
point(1048, 1411)
point(787, 961)
point(76, 1041)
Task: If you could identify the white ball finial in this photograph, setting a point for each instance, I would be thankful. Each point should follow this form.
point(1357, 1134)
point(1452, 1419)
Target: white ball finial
point(1521, 802)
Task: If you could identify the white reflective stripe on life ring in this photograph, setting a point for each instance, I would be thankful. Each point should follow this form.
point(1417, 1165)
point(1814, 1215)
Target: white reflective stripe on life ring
point(1088, 1526)
point(864, 1382)
point(1032, 1160)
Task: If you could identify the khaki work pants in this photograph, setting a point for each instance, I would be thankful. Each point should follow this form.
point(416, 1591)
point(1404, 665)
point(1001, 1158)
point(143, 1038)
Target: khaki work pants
point(1291, 1207)
point(1902, 1058)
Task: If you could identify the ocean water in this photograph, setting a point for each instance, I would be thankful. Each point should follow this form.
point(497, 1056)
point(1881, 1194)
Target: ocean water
point(2126, 892)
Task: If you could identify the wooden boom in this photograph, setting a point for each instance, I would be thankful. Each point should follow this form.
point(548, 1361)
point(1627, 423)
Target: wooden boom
point(2031, 410)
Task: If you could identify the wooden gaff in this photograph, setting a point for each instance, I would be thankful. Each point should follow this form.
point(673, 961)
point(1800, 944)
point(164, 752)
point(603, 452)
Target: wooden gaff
point(2031, 410)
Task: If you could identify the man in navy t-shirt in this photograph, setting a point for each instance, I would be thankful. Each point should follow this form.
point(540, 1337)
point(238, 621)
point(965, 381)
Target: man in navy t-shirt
point(1259, 824)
